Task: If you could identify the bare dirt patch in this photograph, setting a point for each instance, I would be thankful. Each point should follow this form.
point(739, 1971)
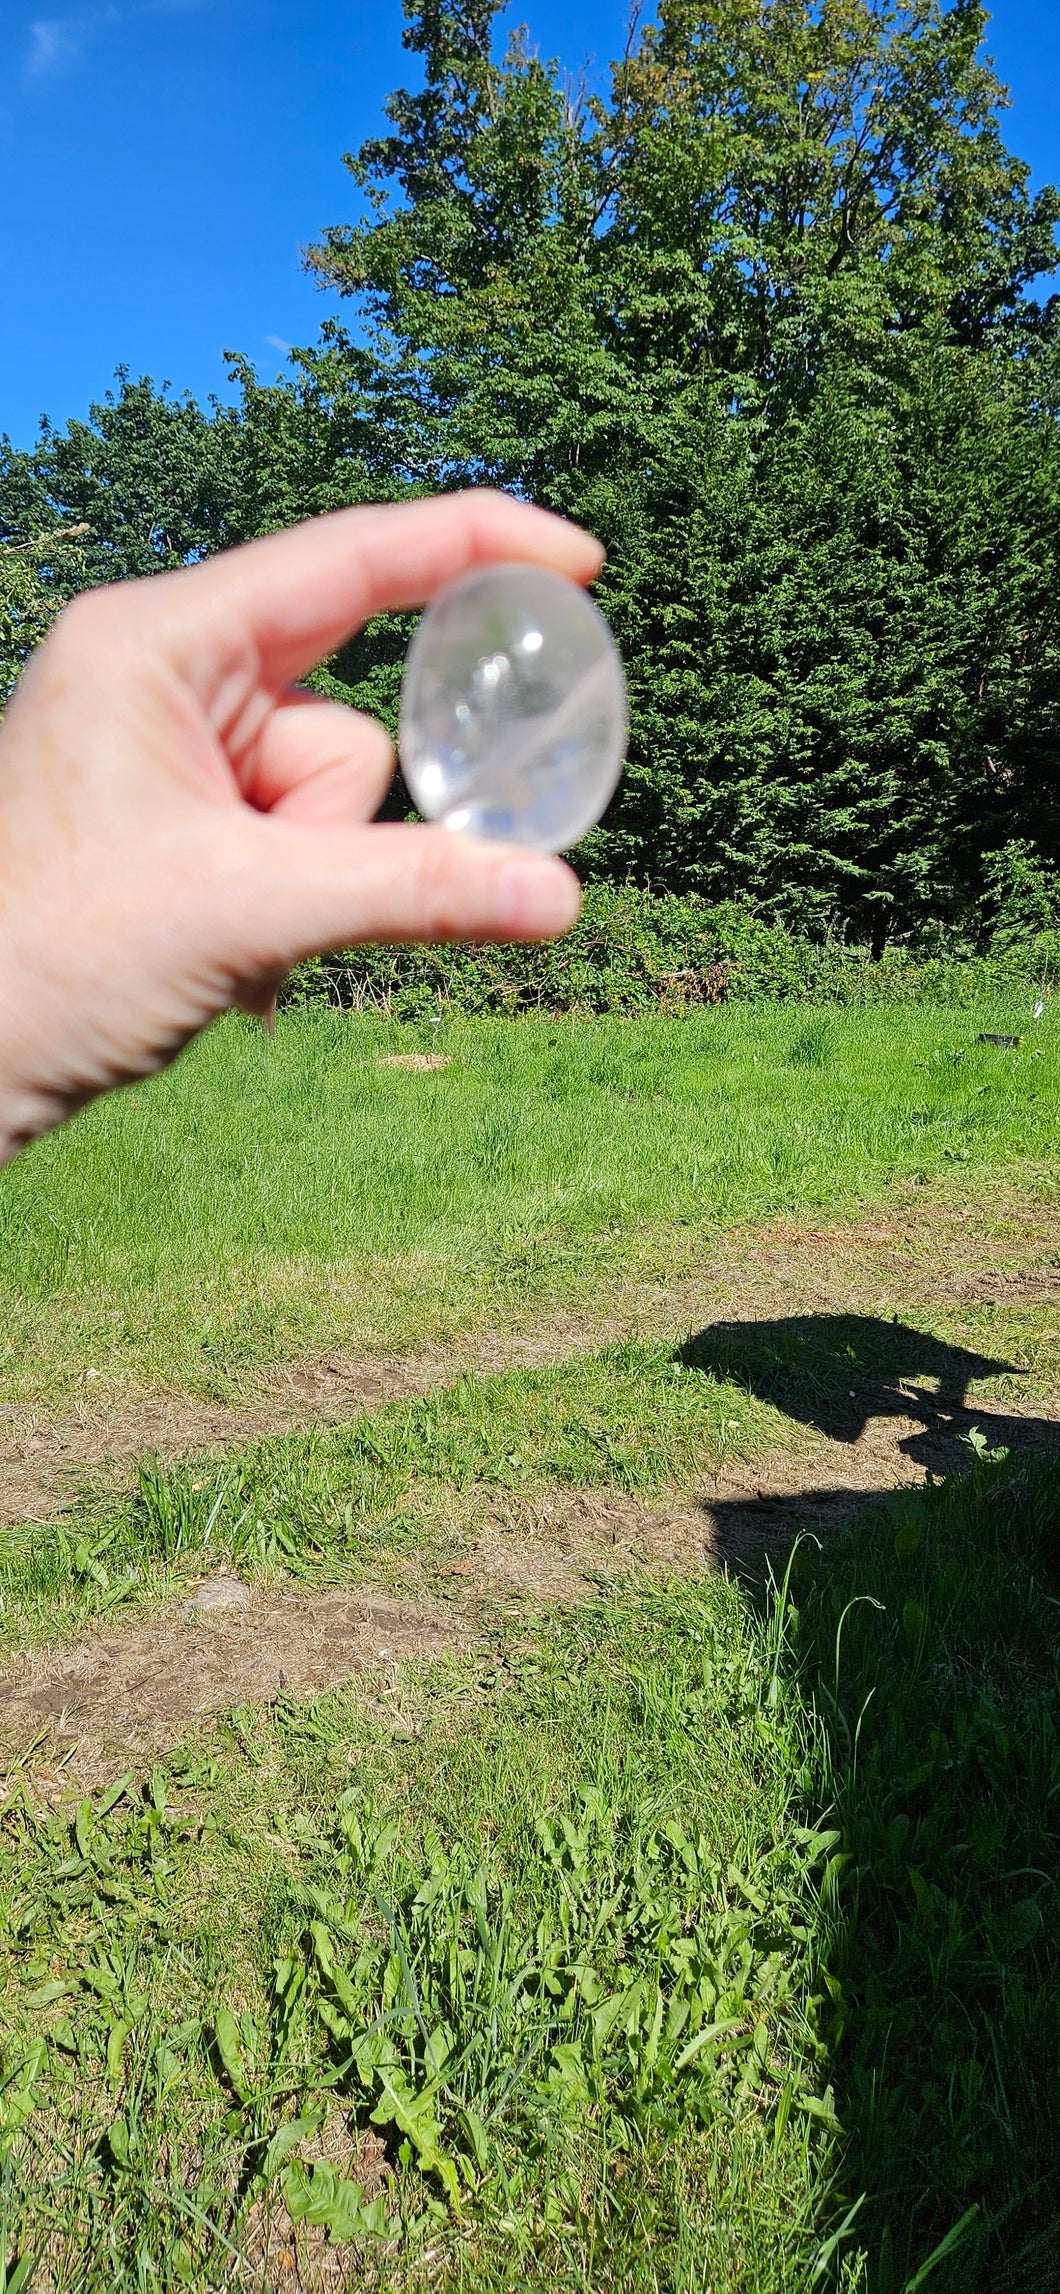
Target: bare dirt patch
point(563, 1544)
point(420, 1061)
point(127, 1695)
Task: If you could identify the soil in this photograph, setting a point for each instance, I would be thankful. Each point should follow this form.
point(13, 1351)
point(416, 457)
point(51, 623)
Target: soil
point(125, 1696)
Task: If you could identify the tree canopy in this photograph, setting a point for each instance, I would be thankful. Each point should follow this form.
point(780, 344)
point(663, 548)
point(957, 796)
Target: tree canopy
point(768, 313)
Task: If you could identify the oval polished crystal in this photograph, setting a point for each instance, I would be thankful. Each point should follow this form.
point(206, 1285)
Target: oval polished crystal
point(513, 708)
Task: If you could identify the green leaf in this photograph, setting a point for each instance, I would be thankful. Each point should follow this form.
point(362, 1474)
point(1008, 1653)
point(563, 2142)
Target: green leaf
point(908, 1537)
point(117, 2037)
point(914, 1623)
point(319, 2195)
point(822, 2108)
point(946, 2246)
point(114, 1793)
point(412, 2113)
point(287, 2139)
point(118, 2140)
point(705, 2038)
point(230, 2050)
point(20, 2279)
point(477, 2137)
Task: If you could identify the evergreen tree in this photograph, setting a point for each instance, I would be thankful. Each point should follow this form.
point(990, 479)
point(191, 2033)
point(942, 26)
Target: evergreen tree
point(762, 318)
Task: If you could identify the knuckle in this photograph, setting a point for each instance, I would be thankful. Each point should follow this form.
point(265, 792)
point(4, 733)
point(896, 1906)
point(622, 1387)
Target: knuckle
point(87, 620)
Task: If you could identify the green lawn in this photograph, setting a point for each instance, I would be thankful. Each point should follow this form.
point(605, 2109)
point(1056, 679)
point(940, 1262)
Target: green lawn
point(265, 1199)
point(697, 1939)
point(701, 1938)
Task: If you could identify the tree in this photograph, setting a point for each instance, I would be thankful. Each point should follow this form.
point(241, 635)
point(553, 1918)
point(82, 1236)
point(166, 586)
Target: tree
point(762, 318)
point(153, 482)
point(153, 478)
point(28, 602)
point(849, 687)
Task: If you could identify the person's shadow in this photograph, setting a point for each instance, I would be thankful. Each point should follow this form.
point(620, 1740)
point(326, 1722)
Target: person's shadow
point(837, 1372)
point(921, 1631)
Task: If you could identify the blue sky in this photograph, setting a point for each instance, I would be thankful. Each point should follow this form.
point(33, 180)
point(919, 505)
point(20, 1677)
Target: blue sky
point(163, 162)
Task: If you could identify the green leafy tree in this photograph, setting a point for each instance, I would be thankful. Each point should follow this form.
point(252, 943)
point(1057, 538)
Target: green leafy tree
point(761, 317)
point(154, 478)
point(29, 600)
point(153, 482)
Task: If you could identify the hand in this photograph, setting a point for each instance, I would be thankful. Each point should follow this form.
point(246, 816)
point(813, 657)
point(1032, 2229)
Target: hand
point(178, 826)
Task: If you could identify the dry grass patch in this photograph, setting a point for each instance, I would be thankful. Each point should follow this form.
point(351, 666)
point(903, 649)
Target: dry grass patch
point(419, 1061)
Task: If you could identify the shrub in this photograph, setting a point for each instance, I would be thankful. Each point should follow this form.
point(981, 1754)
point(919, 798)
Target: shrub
point(633, 951)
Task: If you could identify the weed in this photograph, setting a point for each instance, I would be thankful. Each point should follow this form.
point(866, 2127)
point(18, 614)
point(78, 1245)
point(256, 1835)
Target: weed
point(705, 1937)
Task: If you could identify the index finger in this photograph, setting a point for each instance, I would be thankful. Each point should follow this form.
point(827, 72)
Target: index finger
point(288, 600)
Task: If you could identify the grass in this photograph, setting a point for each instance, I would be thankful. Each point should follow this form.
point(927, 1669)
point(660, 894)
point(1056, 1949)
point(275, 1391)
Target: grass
point(932, 1656)
point(700, 1938)
point(263, 1200)
point(398, 1487)
point(558, 1943)
point(705, 1938)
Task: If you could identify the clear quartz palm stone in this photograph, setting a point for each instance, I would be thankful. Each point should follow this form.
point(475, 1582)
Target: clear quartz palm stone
point(513, 708)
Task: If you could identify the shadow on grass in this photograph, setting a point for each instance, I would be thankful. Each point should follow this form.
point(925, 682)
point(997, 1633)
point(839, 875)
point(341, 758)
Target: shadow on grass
point(926, 1637)
point(837, 1372)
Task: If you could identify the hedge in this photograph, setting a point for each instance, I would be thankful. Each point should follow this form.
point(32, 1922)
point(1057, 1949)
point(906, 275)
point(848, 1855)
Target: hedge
point(633, 951)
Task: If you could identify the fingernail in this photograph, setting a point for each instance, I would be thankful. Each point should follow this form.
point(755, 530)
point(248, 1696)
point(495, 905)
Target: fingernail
point(536, 896)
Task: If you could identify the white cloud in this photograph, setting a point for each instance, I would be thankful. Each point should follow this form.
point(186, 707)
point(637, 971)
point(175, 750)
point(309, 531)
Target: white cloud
point(55, 43)
point(276, 342)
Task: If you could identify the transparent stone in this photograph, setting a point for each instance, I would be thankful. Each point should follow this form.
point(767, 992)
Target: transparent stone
point(513, 708)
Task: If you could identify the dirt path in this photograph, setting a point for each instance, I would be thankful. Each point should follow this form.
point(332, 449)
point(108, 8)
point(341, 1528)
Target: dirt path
point(126, 1694)
point(120, 1698)
point(924, 1251)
